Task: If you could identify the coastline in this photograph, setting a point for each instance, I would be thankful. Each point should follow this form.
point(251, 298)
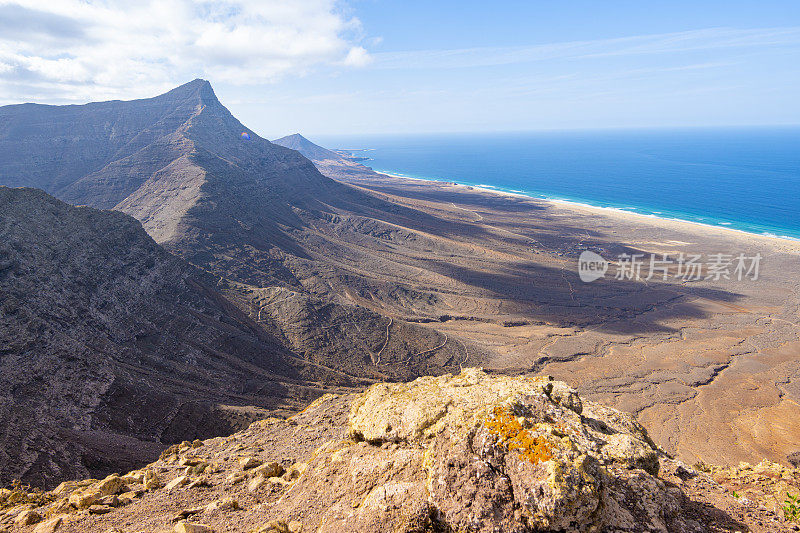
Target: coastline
point(617, 212)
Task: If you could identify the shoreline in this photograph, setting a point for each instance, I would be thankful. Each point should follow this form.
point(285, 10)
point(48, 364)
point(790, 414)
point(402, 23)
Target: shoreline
point(618, 211)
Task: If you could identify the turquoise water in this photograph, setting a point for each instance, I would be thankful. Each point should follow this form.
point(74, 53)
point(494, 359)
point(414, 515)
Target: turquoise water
point(746, 179)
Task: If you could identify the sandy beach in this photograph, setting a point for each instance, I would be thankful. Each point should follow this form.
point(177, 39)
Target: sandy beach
point(674, 224)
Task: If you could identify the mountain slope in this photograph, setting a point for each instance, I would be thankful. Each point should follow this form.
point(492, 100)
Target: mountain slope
point(110, 347)
point(260, 222)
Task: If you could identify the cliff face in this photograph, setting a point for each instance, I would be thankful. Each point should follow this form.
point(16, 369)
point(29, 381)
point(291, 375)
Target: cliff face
point(111, 347)
point(99, 153)
point(455, 453)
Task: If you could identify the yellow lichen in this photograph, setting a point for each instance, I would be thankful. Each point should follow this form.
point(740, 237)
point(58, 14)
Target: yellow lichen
point(509, 430)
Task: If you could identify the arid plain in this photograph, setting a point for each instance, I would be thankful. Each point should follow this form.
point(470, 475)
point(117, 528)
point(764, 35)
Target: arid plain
point(708, 366)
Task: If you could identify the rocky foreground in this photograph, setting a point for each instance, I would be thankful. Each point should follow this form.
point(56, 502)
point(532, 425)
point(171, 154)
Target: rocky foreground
point(472, 452)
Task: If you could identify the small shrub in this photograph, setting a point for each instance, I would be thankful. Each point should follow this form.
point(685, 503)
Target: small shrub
point(791, 508)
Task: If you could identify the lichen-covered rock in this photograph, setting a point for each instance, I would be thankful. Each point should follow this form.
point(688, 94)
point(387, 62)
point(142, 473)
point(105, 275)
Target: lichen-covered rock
point(501, 451)
point(249, 462)
point(49, 526)
point(177, 482)
point(480, 453)
point(27, 517)
point(83, 499)
point(151, 480)
point(226, 504)
point(269, 469)
point(110, 485)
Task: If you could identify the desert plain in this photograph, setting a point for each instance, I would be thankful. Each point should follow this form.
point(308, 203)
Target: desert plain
point(708, 366)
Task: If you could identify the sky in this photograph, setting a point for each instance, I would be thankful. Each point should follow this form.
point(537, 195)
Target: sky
point(324, 67)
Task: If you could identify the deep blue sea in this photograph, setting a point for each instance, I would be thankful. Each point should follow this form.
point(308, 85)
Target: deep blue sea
point(746, 179)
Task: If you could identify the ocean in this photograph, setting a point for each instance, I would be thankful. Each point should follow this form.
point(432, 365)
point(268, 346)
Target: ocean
point(745, 179)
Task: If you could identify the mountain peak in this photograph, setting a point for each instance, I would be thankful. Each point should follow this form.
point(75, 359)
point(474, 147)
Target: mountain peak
point(199, 88)
point(312, 151)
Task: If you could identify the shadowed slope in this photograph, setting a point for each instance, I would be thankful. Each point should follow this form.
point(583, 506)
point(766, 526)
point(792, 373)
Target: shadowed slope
point(111, 347)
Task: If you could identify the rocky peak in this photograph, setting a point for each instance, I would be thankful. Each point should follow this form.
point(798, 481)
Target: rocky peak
point(197, 88)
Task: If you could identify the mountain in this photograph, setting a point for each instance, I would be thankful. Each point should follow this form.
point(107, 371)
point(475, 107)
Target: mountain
point(160, 159)
point(383, 279)
point(332, 164)
point(310, 150)
point(113, 345)
point(470, 452)
point(285, 239)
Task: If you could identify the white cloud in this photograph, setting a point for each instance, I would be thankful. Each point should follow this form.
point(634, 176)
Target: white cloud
point(357, 57)
point(93, 49)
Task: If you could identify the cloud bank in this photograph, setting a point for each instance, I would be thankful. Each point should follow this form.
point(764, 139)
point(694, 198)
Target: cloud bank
point(88, 50)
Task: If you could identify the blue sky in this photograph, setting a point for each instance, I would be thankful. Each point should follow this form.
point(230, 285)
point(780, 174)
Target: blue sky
point(386, 66)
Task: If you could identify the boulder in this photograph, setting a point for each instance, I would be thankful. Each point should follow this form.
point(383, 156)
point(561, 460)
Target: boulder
point(177, 482)
point(226, 504)
point(268, 469)
point(190, 527)
point(82, 499)
point(110, 485)
point(49, 526)
point(27, 517)
point(151, 480)
point(249, 462)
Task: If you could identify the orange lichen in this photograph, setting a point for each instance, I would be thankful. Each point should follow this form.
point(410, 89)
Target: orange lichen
point(510, 432)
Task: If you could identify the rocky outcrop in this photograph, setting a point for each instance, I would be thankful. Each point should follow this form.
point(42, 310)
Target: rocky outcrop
point(484, 453)
point(471, 452)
